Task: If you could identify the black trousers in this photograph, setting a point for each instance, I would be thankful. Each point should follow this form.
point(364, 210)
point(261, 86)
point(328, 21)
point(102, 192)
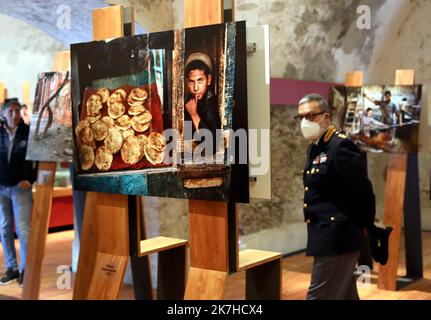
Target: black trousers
point(332, 277)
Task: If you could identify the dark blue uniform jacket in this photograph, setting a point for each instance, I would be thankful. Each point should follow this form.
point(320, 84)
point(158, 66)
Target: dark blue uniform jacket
point(338, 196)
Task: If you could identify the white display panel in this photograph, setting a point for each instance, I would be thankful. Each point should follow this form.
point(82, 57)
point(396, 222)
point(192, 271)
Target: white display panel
point(258, 80)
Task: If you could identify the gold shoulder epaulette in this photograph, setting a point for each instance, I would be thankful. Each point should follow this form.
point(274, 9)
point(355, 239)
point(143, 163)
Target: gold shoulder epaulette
point(342, 135)
point(329, 133)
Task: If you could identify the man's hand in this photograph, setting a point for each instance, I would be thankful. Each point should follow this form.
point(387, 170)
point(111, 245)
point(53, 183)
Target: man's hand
point(24, 185)
point(192, 107)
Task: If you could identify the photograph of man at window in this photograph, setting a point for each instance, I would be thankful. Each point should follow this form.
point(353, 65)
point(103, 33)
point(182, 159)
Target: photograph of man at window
point(201, 104)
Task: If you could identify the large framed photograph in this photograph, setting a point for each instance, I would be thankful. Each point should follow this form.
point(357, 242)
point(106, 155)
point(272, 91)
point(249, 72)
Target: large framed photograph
point(379, 118)
point(157, 114)
point(51, 120)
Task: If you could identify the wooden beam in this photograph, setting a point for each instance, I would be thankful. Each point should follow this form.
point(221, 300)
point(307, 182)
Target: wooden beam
point(205, 283)
point(203, 12)
point(208, 235)
point(113, 224)
point(354, 79)
point(87, 248)
point(393, 213)
point(41, 214)
point(404, 77)
point(108, 23)
point(107, 277)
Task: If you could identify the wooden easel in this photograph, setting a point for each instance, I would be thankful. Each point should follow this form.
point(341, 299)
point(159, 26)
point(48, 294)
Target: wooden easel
point(113, 228)
point(402, 197)
point(213, 230)
point(108, 218)
point(41, 211)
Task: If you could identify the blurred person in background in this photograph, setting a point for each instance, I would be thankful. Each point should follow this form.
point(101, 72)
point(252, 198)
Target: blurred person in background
point(17, 176)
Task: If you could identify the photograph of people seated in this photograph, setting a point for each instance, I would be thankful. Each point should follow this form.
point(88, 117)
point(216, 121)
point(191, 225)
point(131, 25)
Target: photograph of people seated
point(380, 118)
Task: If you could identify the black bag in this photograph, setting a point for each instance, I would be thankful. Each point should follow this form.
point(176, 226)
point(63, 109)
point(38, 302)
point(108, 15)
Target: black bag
point(379, 243)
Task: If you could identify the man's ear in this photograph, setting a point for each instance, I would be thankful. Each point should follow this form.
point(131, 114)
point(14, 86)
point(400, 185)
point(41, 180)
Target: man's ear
point(328, 117)
point(209, 79)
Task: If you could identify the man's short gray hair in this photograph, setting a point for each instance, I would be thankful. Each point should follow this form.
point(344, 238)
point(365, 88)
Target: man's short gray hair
point(323, 104)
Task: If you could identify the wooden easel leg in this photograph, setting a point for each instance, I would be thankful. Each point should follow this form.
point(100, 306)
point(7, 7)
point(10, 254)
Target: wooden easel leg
point(141, 271)
point(141, 274)
point(394, 209)
point(412, 220)
point(107, 277)
point(88, 248)
point(204, 284)
point(209, 249)
point(208, 225)
point(264, 282)
point(38, 231)
point(112, 246)
point(171, 275)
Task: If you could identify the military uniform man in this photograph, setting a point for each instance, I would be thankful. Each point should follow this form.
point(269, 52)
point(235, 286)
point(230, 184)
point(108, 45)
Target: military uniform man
point(339, 204)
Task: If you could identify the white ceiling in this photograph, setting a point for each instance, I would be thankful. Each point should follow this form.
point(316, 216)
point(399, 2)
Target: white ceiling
point(48, 16)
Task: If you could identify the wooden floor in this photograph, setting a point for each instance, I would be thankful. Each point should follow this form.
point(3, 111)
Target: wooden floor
point(296, 276)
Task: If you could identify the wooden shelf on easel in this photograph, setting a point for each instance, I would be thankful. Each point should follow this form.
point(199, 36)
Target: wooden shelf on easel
point(251, 258)
point(172, 263)
point(264, 271)
point(157, 244)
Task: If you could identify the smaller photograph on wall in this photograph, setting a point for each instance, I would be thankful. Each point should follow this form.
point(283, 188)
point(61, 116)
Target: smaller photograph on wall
point(379, 118)
point(51, 120)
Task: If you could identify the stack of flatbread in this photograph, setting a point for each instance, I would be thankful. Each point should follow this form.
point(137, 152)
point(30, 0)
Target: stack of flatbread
point(119, 131)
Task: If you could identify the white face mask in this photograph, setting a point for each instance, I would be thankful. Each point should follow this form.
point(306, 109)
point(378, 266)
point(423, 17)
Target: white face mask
point(310, 129)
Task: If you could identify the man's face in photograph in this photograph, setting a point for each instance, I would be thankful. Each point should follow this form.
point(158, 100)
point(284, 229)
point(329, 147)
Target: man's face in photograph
point(387, 97)
point(198, 83)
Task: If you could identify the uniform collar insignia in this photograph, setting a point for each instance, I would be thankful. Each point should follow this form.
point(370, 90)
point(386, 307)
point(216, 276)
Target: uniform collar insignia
point(329, 133)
